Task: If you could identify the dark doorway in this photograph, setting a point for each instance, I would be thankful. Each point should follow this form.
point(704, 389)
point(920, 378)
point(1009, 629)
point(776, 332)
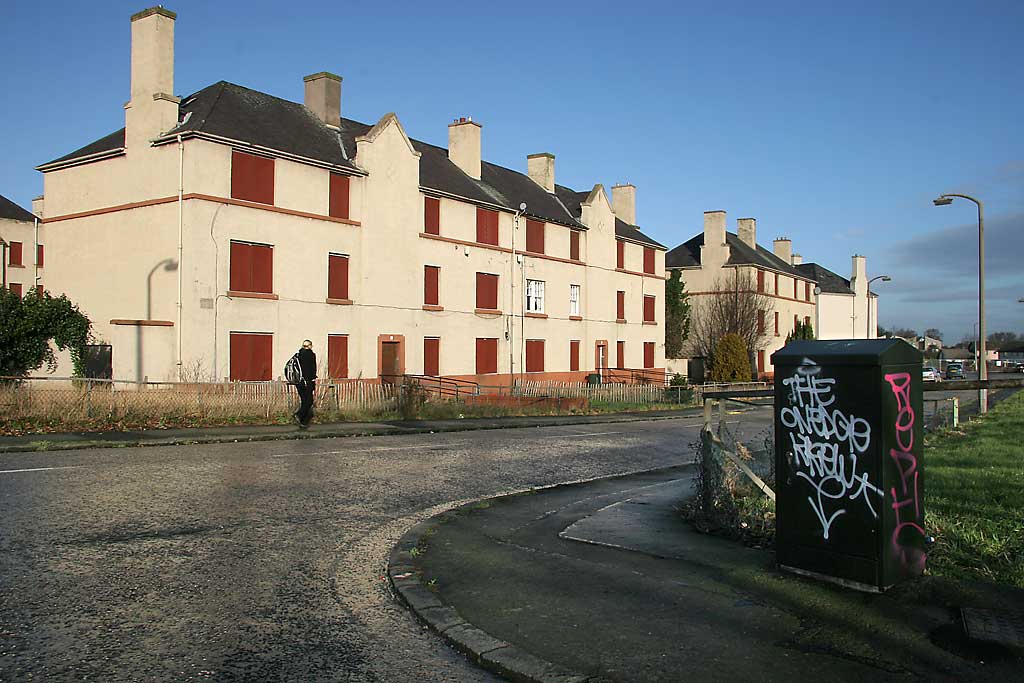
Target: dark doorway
point(98, 361)
point(390, 361)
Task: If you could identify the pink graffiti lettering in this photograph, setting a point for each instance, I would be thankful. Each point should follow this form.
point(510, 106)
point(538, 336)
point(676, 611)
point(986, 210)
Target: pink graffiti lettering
point(906, 546)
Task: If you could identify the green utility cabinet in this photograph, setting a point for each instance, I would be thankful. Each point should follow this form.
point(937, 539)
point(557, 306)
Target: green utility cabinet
point(848, 468)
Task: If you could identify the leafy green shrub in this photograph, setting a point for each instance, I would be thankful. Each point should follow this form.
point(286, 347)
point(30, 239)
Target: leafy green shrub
point(730, 362)
point(29, 323)
point(677, 381)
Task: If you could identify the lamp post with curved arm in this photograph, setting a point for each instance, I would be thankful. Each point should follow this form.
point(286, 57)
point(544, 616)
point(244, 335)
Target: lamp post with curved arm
point(943, 200)
point(883, 278)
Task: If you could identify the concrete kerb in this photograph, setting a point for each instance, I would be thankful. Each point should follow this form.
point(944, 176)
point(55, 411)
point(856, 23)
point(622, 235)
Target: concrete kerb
point(479, 646)
point(39, 442)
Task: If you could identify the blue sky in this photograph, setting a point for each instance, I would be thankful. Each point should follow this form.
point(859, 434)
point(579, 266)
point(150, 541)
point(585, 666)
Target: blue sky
point(834, 124)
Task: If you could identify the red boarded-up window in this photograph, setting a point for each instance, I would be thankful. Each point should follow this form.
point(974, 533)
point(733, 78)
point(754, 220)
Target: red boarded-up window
point(432, 216)
point(431, 277)
point(649, 260)
point(486, 356)
point(535, 355)
point(574, 355)
point(776, 283)
point(252, 177)
point(486, 226)
point(14, 253)
point(337, 356)
point(648, 354)
point(251, 355)
point(620, 354)
point(760, 362)
point(620, 254)
point(574, 245)
point(15, 288)
point(535, 236)
point(337, 277)
point(760, 280)
point(795, 283)
point(649, 309)
point(252, 267)
point(796, 321)
point(620, 305)
point(39, 255)
point(807, 291)
point(431, 356)
point(776, 323)
point(339, 196)
point(760, 322)
point(487, 291)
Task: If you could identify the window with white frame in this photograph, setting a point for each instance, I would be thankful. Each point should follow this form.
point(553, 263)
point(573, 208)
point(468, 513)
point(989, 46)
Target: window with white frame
point(574, 300)
point(534, 296)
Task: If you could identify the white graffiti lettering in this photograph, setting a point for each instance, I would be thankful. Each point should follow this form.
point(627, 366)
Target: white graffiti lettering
point(825, 446)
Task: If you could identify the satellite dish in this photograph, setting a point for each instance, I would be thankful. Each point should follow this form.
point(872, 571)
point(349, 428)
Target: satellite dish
point(522, 207)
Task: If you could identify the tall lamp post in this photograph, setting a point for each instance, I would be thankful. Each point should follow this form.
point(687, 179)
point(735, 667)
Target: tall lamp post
point(943, 200)
point(883, 278)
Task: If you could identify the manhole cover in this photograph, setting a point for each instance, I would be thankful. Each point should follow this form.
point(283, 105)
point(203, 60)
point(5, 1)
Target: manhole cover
point(1003, 627)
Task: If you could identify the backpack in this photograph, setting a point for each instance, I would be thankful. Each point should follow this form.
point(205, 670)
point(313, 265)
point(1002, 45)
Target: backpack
point(293, 370)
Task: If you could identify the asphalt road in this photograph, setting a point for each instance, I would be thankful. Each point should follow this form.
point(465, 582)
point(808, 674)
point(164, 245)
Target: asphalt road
point(260, 561)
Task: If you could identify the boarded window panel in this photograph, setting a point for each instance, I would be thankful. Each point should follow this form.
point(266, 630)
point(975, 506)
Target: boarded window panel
point(776, 322)
point(807, 320)
point(760, 322)
point(432, 216)
point(252, 178)
point(620, 305)
point(807, 291)
point(241, 267)
point(431, 356)
point(431, 276)
point(649, 309)
point(337, 276)
point(535, 236)
point(535, 355)
point(760, 361)
point(795, 283)
point(648, 354)
point(649, 260)
point(776, 283)
point(339, 195)
point(15, 288)
point(337, 356)
point(262, 268)
point(486, 291)
point(486, 226)
point(14, 253)
point(760, 280)
point(486, 356)
point(620, 254)
point(574, 245)
point(251, 355)
point(39, 255)
point(620, 354)
point(574, 355)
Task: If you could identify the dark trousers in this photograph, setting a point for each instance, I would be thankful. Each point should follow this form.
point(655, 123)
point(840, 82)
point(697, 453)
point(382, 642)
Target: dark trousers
point(305, 411)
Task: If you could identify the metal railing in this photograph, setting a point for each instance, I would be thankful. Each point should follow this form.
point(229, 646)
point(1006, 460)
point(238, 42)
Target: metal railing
point(441, 387)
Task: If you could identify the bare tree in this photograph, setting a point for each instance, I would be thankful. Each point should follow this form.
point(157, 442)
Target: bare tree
point(734, 306)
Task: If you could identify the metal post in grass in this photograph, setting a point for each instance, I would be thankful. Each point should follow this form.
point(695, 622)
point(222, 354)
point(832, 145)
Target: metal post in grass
point(956, 411)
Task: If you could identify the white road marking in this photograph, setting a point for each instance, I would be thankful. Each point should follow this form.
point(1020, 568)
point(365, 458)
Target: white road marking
point(42, 469)
point(579, 435)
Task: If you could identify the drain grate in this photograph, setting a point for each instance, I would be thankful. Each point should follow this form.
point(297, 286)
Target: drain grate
point(1003, 627)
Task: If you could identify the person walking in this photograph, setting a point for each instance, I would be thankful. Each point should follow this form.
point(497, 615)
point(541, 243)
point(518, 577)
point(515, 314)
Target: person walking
point(307, 385)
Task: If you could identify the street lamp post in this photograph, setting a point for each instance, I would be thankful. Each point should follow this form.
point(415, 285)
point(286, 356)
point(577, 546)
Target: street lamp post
point(883, 278)
point(943, 200)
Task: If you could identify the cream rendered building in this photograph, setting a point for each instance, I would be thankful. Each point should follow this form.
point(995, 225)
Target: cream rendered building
point(716, 255)
point(214, 233)
point(22, 247)
point(845, 308)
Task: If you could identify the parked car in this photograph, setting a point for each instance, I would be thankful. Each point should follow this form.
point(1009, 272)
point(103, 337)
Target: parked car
point(930, 374)
point(954, 371)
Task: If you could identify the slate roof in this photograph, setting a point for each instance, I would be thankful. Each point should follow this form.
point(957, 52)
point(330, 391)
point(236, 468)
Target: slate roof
point(830, 283)
point(237, 113)
point(687, 255)
point(9, 209)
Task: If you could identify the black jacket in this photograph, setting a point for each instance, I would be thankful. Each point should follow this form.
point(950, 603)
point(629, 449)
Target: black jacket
point(307, 361)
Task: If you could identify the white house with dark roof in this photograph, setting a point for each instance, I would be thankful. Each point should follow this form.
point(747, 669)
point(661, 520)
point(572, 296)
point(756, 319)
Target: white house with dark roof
point(216, 231)
point(21, 248)
point(846, 309)
point(717, 256)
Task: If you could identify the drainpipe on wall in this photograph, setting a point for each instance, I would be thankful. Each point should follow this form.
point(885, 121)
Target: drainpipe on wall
point(3, 260)
point(512, 295)
point(35, 257)
point(181, 191)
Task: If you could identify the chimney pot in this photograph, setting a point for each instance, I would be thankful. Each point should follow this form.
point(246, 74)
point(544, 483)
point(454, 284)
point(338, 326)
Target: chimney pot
point(323, 97)
point(624, 202)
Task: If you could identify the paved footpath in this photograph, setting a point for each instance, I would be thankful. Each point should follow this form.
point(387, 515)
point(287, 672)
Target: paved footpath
point(603, 582)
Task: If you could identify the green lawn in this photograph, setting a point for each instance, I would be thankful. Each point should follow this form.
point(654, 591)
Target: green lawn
point(974, 497)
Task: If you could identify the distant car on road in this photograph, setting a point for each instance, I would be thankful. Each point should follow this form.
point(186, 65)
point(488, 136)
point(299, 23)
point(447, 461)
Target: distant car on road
point(930, 374)
point(954, 371)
